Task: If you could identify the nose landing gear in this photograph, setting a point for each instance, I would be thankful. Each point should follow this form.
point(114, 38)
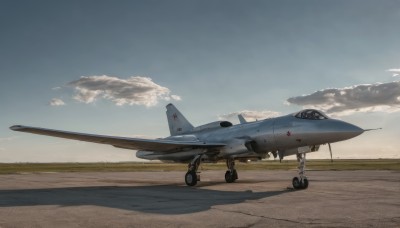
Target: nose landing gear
point(301, 182)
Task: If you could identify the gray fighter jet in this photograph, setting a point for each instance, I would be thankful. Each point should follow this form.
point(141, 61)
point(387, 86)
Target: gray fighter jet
point(294, 134)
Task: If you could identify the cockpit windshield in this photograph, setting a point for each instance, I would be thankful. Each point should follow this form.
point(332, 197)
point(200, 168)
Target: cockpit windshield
point(311, 114)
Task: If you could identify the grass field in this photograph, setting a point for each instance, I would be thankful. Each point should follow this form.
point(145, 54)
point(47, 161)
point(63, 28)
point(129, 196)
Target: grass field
point(377, 164)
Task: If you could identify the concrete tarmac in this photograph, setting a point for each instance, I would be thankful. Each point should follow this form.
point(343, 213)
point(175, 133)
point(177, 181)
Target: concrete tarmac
point(161, 199)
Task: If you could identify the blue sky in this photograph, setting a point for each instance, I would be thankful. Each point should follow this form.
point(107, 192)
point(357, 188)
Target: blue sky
point(219, 57)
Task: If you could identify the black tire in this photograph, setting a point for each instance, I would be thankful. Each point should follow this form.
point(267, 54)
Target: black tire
point(229, 177)
point(296, 183)
point(235, 175)
point(191, 178)
point(304, 184)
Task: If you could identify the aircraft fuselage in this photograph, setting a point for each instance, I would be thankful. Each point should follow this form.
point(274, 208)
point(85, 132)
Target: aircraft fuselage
point(285, 135)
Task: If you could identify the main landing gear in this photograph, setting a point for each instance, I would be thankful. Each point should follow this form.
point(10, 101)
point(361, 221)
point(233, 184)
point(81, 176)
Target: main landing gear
point(231, 174)
point(191, 176)
point(301, 182)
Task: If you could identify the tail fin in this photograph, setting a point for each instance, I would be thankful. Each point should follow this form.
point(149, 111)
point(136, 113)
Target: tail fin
point(242, 120)
point(178, 124)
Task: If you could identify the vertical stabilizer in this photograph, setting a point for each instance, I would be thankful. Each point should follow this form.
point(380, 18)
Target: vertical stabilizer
point(242, 120)
point(178, 124)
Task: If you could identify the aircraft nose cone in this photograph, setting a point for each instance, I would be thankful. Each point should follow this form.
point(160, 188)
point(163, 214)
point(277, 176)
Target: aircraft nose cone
point(340, 130)
point(351, 130)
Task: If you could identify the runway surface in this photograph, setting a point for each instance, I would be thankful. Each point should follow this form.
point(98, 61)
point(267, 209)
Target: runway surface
point(161, 199)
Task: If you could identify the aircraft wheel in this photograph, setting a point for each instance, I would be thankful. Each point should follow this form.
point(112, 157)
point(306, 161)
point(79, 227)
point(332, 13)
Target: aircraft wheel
point(235, 175)
point(304, 185)
point(191, 178)
point(229, 177)
point(296, 183)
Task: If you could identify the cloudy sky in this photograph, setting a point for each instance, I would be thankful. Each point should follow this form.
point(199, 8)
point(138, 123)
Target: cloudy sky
point(110, 67)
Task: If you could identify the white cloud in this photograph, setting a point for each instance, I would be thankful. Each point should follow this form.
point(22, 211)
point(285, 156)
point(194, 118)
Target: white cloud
point(395, 72)
point(382, 97)
point(56, 88)
point(176, 97)
point(250, 115)
point(135, 90)
point(56, 102)
point(8, 138)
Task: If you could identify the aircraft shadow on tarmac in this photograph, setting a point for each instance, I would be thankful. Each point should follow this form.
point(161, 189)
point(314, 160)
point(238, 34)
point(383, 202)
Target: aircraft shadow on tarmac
point(162, 199)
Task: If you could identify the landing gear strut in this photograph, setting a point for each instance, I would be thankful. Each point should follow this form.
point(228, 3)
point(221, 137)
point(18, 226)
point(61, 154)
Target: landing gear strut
point(301, 182)
point(191, 176)
point(231, 174)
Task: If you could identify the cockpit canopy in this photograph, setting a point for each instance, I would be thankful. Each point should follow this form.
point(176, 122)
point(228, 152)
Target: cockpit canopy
point(311, 114)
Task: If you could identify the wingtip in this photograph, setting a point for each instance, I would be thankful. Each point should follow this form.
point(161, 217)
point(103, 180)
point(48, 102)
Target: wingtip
point(16, 127)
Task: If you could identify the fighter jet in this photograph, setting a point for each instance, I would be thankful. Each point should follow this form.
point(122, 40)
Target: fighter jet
point(294, 134)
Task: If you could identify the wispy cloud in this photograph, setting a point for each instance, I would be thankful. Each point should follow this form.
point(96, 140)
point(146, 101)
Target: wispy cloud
point(135, 90)
point(250, 115)
point(56, 102)
point(10, 138)
point(395, 72)
point(384, 97)
point(176, 97)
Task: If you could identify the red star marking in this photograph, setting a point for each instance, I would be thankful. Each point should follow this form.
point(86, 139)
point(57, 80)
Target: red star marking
point(288, 133)
point(175, 116)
